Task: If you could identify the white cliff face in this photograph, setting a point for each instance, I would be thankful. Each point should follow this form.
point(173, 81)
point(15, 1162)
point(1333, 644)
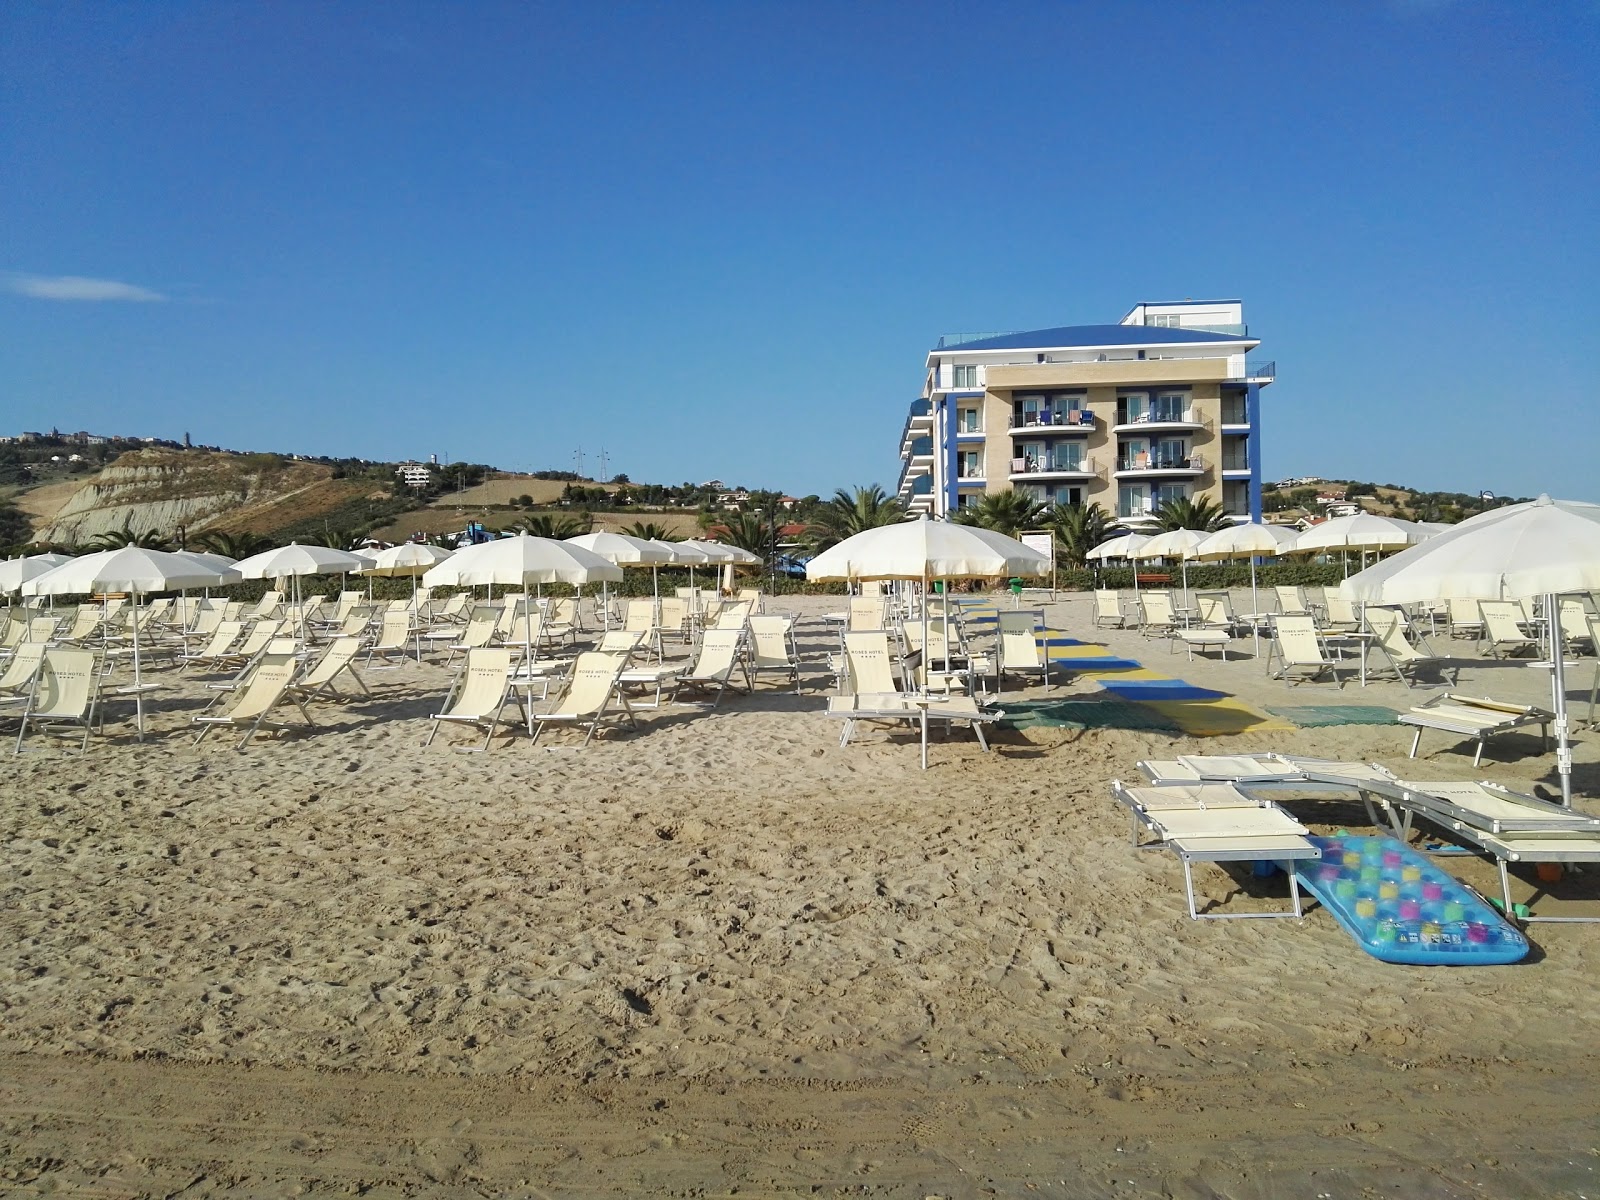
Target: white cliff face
point(159, 491)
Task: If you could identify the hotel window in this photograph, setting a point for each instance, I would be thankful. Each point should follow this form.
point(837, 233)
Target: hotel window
point(1169, 406)
point(1133, 407)
point(1028, 409)
point(969, 420)
point(969, 464)
point(1163, 321)
point(966, 375)
point(1163, 492)
point(1133, 501)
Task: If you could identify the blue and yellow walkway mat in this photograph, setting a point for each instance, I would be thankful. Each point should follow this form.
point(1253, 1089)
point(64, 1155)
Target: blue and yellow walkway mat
point(1079, 713)
point(1317, 716)
point(1197, 711)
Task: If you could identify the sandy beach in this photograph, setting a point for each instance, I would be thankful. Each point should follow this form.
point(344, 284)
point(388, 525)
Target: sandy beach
point(724, 953)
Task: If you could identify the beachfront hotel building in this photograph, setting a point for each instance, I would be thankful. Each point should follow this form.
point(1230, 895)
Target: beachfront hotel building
point(1164, 404)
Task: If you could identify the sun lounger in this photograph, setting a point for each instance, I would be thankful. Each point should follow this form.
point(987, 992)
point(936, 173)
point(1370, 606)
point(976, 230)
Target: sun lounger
point(479, 695)
point(1276, 772)
point(1217, 823)
point(897, 706)
point(267, 687)
point(1479, 719)
point(592, 695)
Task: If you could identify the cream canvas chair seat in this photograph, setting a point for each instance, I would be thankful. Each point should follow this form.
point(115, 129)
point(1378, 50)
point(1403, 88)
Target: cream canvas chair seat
point(714, 666)
point(1217, 823)
point(254, 643)
point(1156, 615)
point(1390, 637)
point(868, 667)
point(337, 660)
point(1339, 615)
point(452, 612)
point(479, 695)
point(1291, 601)
point(17, 678)
point(1477, 718)
point(865, 613)
point(673, 621)
point(85, 623)
point(591, 696)
point(754, 598)
point(1018, 650)
point(480, 631)
point(1465, 619)
point(266, 688)
point(216, 652)
point(267, 607)
point(732, 615)
point(65, 691)
point(1108, 609)
point(772, 648)
point(396, 640)
point(626, 642)
point(1502, 628)
point(1298, 652)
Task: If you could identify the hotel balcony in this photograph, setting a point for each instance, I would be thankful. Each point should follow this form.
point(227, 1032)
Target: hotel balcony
point(919, 420)
point(1066, 470)
point(1235, 466)
point(1071, 421)
point(1161, 422)
point(1143, 464)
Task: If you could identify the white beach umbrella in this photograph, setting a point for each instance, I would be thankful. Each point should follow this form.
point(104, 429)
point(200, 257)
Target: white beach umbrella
point(1542, 548)
point(408, 559)
point(295, 561)
point(927, 550)
point(1250, 541)
point(522, 561)
point(1121, 546)
point(625, 551)
point(14, 572)
point(134, 570)
point(1172, 543)
point(1363, 531)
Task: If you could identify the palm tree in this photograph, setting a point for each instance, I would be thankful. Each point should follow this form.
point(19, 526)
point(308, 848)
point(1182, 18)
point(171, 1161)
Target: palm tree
point(1008, 512)
point(337, 539)
point(551, 525)
point(649, 531)
point(118, 538)
point(1078, 529)
point(847, 515)
point(1186, 512)
point(234, 545)
point(749, 531)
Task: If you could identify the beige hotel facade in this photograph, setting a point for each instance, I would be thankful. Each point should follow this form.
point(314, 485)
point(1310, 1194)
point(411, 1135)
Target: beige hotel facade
point(1164, 404)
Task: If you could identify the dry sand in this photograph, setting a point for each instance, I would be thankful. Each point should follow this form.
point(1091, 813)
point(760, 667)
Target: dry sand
point(725, 954)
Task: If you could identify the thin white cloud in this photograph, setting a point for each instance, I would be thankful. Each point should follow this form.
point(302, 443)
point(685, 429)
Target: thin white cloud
point(78, 287)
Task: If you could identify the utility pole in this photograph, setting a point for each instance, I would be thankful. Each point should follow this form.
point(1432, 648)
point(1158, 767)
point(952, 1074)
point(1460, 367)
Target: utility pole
point(577, 459)
point(603, 459)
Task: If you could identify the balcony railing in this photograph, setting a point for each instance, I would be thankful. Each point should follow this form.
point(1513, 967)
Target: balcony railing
point(1163, 417)
point(1166, 462)
point(1235, 464)
point(1070, 466)
point(1072, 419)
point(1261, 368)
point(1136, 512)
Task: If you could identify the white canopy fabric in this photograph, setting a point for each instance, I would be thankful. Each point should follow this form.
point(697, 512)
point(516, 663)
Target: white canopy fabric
point(522, 561)
point(14, 572)
point(295, 560)
point(1117, 547)
point(927, 550)
point(1245, 541)
point(1172, 543)
point(408, 558)
point(1364, 531)
point(1544, 547)
point(624, 549)
point(135, 570)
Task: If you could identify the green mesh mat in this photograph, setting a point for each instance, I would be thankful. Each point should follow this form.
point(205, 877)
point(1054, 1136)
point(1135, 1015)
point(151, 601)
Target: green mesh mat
point(1316, 716)
point(1099, 713)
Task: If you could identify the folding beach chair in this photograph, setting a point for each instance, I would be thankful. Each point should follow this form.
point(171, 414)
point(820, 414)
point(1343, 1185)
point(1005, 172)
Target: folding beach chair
point(626, 642)
point(1340, 615)
point(65, 691)
point(479, 695)
point(1474, 717)
point(23, 665)
point(1018, 650)
point(674, 620)
point(714, 665)
point(339, 659)
point(395, 641)
point(868, 667)
point(732, 614)
point(1298, 652)
point(1108, 608)
point(215, 652)
point(1465, 619)
point(254, 643)
point(1502, 628)
point(1156, 615)
point(754, 598)
point(772, 648)
point(588, 696)
point(561, 618)
point(865, 613)
point(1390, 638)
point(479, 632)
point(919, 710)
point(1291, 601)
point(1217, 823)
point(263, 691)
point(267, 607)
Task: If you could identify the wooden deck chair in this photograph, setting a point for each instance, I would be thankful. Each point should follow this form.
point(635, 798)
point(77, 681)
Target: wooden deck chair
point(1156, 615)
point(266, 607)
point(1390, 637)
point(266, 688)
point(17, 679)
point(396, 640)
point(65, 691)
point(1019, 651)
point(714, 666)
point(339, 659)
point(588, 696)
point(772, 648)
point(1298, 652)
point(866, 613)
point(479, 695)
point(1502, 628)
point(215, 652)
point(1108, 608)
point(1291, 601)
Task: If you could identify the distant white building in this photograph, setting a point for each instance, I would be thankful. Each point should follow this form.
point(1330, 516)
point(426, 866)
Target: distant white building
point(415, 474)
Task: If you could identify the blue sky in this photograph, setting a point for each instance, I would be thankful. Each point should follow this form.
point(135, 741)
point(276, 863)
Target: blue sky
point(718, 240)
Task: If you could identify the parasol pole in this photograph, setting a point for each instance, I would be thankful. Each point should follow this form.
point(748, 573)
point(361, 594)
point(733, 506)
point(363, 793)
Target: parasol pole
point(138, 692)
point(1558, 685)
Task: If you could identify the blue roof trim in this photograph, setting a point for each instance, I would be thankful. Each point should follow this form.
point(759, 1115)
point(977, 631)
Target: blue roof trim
point(1093, 335)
